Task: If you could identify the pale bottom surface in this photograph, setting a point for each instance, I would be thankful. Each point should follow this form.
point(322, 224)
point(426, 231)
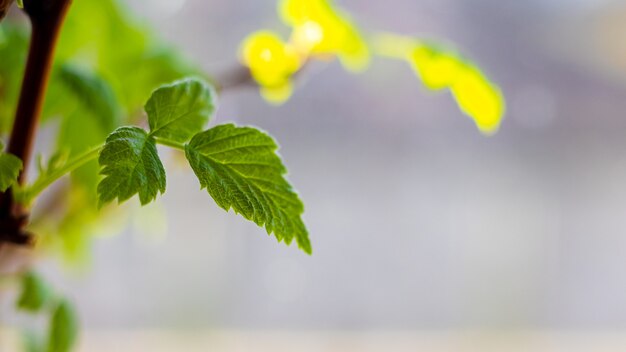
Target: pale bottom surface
point(277, 341)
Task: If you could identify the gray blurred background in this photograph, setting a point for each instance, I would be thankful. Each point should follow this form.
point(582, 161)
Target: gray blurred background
point(418, 222)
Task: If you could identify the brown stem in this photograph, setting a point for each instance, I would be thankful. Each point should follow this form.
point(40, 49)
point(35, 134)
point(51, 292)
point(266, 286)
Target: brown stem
point(241, 77)
point(4, 7)
point(238, 76)
point(46, 17)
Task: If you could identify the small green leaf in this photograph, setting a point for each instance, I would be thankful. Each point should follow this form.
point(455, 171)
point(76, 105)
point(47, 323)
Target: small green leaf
point(35, 293)
point(240, 169)
point(55, 162)
point(178, 111)
point(31, 342)
point(10, 167)
point(131, 165)
point(63, 329)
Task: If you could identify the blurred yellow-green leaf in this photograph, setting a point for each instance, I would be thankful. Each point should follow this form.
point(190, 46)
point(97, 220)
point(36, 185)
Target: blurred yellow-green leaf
point(479, 98)
point(319, 27)
point(440, 67)
point(63, 329)
point(35, 293)
point(272, 62)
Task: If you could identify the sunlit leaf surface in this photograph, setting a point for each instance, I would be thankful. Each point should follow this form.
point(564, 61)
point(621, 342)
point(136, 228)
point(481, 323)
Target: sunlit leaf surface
point(240, 169)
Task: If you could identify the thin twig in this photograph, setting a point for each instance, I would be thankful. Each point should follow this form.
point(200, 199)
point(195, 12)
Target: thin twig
point(46, 17)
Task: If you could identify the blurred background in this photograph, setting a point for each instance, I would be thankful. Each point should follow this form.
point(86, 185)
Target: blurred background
point(426, 234)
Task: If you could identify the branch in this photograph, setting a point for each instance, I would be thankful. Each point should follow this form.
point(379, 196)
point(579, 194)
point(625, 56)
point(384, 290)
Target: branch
point(240, 77)
point(46, 17)
point(236, 77)
point(4, 7)
point(44, 181)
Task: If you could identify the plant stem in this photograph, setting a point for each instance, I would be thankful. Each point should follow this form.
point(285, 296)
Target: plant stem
point(236, 77)
point(170, 144)
point(45, 181)
point(46, 17)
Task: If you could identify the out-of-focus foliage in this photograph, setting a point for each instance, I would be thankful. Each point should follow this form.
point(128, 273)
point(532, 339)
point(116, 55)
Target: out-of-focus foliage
point(440, 67)
point(102, 36)
point(319, 27)
point(10, 167)
point(13, 46)
point(319, 31)
point(272, 62)
point(63, 329)
point(37, 298)
point(479, 98)
point(35, 293)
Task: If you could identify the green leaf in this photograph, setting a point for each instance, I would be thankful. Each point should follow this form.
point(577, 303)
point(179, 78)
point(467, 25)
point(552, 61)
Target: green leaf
point(35, 293)
point(31, 342)
point(107, 36)
point(10, 167)
point(131, 165)
point(94, 94)
point(63, 329)
point(240, 169)
point(13, 50)
point(178, 111)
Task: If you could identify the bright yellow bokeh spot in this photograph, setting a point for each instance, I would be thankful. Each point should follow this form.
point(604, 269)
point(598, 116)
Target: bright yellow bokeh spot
point(440, 68)
point(436, 69)
point(319, 28)
point(321, 31)
point(308, 35)
point(278, 94)
point(272, 63)
point(475, 94)
point(480, 99)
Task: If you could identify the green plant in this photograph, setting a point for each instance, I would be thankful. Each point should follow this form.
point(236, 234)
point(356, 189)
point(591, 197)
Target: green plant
point(97, 98)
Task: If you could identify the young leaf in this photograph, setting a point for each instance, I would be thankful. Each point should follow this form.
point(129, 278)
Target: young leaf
point(131, 165)
point(240, 169)
point(178, 111)
point(476, 96)
point(35, 293)
point(10, 167)
point(63, 328)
